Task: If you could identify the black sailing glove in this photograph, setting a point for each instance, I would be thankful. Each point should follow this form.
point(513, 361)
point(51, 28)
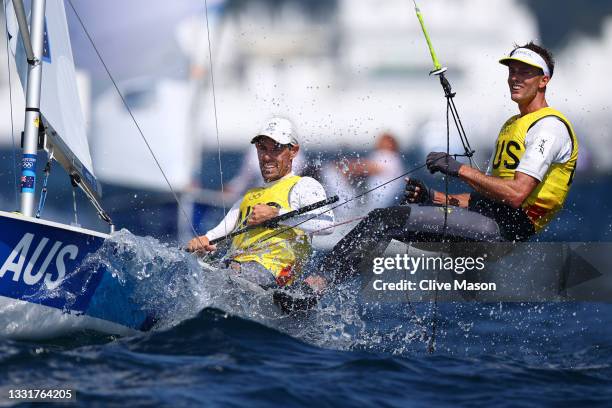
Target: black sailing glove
point(444, 163)
point(417, 192)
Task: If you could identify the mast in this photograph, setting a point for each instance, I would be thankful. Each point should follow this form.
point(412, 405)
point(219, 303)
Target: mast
point(32, 111)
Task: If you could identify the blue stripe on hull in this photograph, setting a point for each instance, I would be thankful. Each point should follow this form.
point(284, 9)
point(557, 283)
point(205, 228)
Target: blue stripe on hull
point(33, 258)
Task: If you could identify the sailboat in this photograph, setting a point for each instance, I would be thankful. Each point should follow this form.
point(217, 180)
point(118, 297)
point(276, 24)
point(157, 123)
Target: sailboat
point(47, 285)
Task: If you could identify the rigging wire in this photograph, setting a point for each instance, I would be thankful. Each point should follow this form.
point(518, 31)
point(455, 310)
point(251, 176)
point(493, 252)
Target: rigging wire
point(212, 84)
point(127, 107)
point(8, 64)
point(452, 108)
point(468, 151)
point(44, 190)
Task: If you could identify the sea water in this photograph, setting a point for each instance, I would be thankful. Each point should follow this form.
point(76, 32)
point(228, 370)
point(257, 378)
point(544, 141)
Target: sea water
point(219, 345)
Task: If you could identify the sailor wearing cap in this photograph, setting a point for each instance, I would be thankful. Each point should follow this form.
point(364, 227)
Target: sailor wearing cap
point(272, 255)
point(533, 164)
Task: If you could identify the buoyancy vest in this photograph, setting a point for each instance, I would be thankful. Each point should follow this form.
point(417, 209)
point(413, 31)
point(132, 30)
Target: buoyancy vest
point(281, 249)
point(547, 198)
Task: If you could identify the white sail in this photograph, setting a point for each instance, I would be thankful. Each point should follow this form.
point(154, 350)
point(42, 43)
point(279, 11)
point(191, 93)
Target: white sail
point(60, 106)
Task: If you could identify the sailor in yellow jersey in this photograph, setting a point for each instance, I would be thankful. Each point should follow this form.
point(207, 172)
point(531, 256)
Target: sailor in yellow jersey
point(528, 179)
point(533, 164)
point(272, 256)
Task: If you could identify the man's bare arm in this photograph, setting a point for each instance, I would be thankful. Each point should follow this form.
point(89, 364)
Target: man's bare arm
point(457, 200)
point(512, 192)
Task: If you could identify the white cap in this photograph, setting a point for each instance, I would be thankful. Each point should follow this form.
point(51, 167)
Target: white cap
point(280, 130)
point(528, 57)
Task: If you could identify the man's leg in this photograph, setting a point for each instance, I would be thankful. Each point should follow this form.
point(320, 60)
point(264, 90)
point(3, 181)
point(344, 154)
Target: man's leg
point(427, 223)
point(411, 223)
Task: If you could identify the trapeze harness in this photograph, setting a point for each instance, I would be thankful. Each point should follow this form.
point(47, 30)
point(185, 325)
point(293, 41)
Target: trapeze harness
point(281, 251)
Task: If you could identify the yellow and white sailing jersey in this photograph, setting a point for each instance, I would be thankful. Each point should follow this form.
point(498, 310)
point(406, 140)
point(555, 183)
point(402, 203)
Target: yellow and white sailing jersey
point(281, 250)
point(548, 197)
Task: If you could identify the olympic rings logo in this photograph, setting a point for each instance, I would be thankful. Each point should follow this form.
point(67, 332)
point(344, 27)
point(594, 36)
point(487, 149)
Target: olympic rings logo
point(27, 164)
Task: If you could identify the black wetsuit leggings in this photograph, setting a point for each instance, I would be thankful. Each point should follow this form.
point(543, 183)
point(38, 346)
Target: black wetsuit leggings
point(419, 223)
